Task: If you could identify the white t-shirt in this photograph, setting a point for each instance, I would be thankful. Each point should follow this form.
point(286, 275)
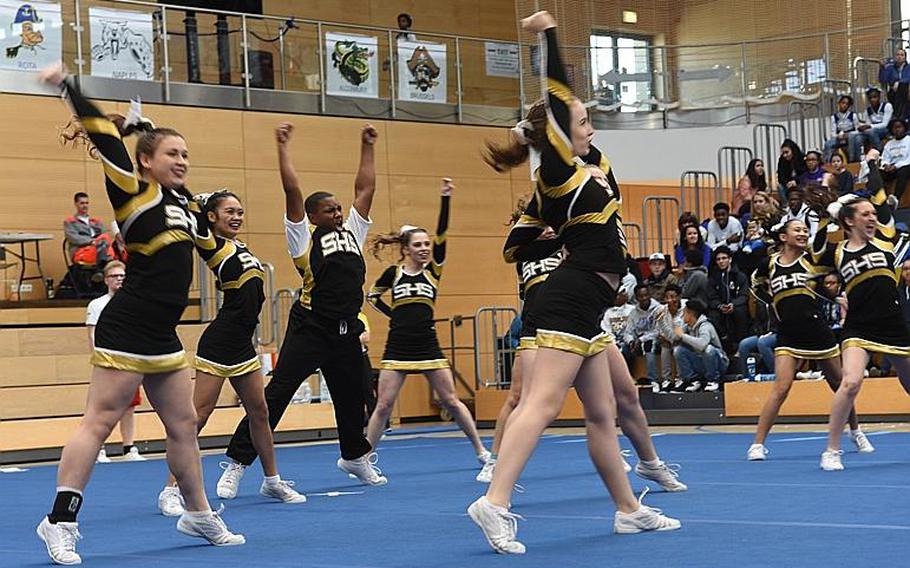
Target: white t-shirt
point(299, 234)
point(93, 312)
point(897, 152)
point(718, 236)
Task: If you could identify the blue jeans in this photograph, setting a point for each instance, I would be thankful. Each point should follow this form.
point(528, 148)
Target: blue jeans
point(875, 134)
point(709, 364)
point(651, 357)
point(763, 345)
point(854, 146)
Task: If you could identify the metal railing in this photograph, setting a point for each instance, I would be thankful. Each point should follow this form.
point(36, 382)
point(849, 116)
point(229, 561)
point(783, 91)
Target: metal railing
point(266, 330)
point(699, 191)
point(282, 301)
point(635, 239)
point(732, 162)
point(766, 142)
point(806, 124)
point(659, 234)
point(493, 354)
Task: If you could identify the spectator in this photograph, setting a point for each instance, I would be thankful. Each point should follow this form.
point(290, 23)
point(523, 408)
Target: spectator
point(797, 209)
point(879, 114)
point(404, 24)
point(114, 275)
point(700, 357)
point(660, 277)
point(690, 239)
point(753, 181)
point(845, 126)
point(896, 157)
point(724, 230)
point(763, 337)
point(814, 173)
point(790, 165)
point(641, 331)
point(903, 296)
point(765, 211)
point(89, 245)
point(728, 299)
point(692, 276)
point(615, 320)
point(843, 178)
point(689, 218)
point(754, 249)
point(832, 303)
point(897, 79)
point(669, 317)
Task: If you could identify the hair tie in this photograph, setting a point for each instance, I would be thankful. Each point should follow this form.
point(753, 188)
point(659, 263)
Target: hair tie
point(406, 228)
point(134, 117)
point(520, 131)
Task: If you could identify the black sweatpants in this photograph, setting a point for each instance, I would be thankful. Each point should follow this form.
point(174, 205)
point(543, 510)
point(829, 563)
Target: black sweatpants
point(311, 343)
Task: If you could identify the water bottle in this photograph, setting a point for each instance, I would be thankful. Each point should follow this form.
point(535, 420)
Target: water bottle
point(765, 377)
point(307, 392)
point(324, 394)
point(750, 368)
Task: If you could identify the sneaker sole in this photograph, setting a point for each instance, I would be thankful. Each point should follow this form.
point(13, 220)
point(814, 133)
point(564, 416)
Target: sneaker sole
point(166, 514)
point(668, 489)
point(351, 475)
point(194, 534)
point(477, 522)
point(636, 530)
point(294, 501)
point(224, 495)
point(48, 547)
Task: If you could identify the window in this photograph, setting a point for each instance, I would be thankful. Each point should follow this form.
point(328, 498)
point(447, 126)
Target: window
point(621, 72)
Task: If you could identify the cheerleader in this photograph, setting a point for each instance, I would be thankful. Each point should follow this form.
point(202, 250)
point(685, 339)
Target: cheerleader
point(584, 210)
point(803, 334)
point(323, 326)
point(226, 349)
point(412, 345)
point(866, 260)
point(136, 340)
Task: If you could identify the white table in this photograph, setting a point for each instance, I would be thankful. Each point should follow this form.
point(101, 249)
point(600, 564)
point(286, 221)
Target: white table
point(21, 239)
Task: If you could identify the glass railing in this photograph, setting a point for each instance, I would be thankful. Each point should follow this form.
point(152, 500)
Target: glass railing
point(203, 57)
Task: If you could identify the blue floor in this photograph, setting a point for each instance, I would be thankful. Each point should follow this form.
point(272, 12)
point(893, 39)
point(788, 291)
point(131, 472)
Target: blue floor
point(784, 512)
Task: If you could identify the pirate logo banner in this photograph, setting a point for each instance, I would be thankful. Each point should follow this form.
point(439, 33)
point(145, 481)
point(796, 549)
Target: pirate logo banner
point(422, 71)
point(351, 66)
point(122, 44)
point(30, 35)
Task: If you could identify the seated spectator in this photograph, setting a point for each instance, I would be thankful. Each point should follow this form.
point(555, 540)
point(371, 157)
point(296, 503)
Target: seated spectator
point(700, 357)
point(845, 126)
point(764, 211)
point(895, 164)
point(690, 239)
point(754, 249)
point(89, 245)
point(692, 276)
point(897, 79)
point(724, 230)
point(660, 277)
point(689, 218)
point(879, 114)
point(790, 166)
point(728, 299)
point(763, 337)
point(832, 303)
point(843, 179)
point(615, 320)
point(753, 181)
point(797, 209)
point(669, 317)
point(641, 331)
point(814, 173)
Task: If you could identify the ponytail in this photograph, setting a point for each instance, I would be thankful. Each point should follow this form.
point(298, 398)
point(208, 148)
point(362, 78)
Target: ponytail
point(533, 134)
point(401, 238)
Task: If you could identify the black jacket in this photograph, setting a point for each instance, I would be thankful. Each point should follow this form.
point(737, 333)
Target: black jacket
point(730, 287)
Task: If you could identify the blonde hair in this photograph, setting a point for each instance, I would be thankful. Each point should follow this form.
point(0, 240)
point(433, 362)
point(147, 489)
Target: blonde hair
point(112, 265)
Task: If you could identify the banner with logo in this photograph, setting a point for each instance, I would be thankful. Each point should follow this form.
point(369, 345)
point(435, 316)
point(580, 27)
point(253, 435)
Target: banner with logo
point(351, 65)
point(422, 71)
point(122, 43)
point(30, 35)
point(501, 59)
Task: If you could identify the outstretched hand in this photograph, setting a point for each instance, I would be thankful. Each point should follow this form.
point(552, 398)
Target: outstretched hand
point(54, 74)
point(447, 186)
point(818, 197)
point(283, 133)
point(538, 22)
point(369, 134)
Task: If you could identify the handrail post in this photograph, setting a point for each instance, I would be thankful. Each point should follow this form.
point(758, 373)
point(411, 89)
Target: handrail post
point(320, 52)
point(458, 86)
point(742, 81)
point(80, 61)
point(393, 55)
point(165, 55)
point(281, 67)
point(245, 45)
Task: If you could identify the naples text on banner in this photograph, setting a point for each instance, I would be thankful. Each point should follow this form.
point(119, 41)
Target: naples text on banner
point(122, 43)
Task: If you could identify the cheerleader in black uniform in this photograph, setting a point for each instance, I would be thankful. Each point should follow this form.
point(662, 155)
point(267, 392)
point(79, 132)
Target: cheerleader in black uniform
point(803, 334)
point(412, 345)
point(584, 210)
point(136, 340)
point(323, 326)
point(226, 349)
point(866, 261)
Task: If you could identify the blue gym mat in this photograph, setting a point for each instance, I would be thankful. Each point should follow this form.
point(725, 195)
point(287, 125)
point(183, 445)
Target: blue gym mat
point(784, 512)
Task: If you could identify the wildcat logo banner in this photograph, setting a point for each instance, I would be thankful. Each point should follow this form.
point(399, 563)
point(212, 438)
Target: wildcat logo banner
point(351, 65)
point(422, 71)
point(122, 44)
point(30, 35)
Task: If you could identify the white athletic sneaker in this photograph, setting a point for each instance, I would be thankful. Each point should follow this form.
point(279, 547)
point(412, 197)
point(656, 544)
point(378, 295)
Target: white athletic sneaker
point(644, 519)
point(210, 527)
point(499, 526)
point(229, 482)
point(60, 540)
point(831, 460)
point(170, 502)
point(133, 455)
point(664, 475)
point(483, 457)
point(102, 457)
point(757, 452)
point(625, 465)
point(486, 474)
point(283, 491)
point(863, 445)
point(364, 468)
